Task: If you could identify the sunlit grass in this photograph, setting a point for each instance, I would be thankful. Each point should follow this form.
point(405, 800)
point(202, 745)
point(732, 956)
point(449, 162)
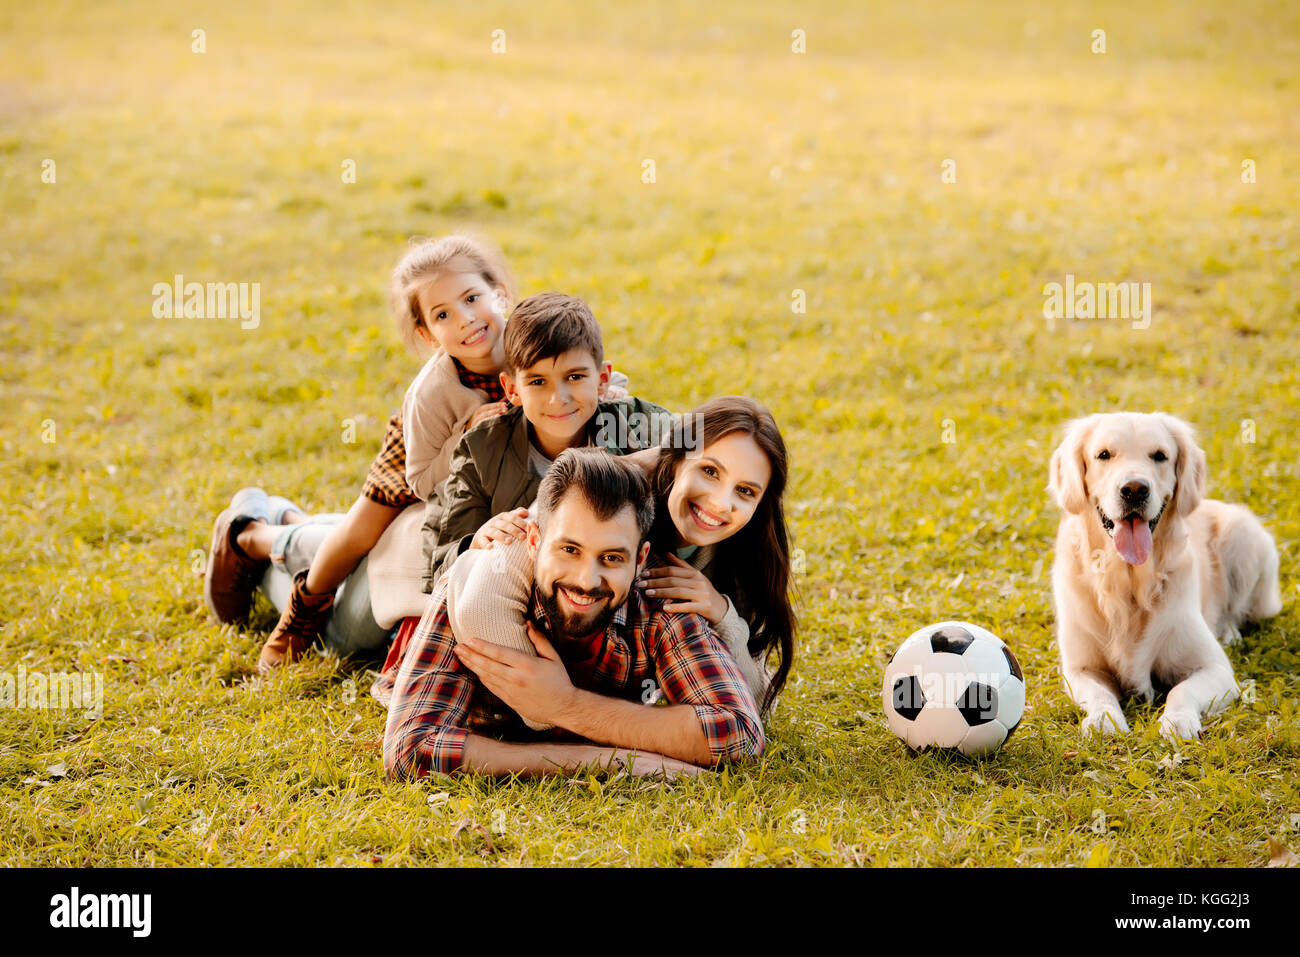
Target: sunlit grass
point(775, 172)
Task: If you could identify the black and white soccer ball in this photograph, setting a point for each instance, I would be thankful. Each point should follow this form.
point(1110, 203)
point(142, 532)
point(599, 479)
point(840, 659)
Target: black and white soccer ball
point(954, 685)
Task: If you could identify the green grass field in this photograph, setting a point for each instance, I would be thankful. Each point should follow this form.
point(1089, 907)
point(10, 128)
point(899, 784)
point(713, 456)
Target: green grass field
point(125, 434)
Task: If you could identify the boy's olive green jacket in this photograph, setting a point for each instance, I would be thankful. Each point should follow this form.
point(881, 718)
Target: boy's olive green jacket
point(489, 473)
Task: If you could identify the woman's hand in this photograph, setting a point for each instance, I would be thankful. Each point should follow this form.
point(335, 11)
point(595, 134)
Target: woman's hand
point(486, 411)
point(687, 587)
point(504, 529)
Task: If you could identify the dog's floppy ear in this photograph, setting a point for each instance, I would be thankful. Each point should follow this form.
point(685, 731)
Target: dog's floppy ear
point(1066, 470)
point(1189, 470)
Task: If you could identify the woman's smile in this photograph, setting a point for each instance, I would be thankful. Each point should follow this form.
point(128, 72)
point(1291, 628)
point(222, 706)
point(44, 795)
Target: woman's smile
point(706, 520)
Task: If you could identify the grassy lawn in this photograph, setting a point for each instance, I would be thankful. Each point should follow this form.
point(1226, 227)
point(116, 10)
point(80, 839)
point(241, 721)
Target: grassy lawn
point(920, 393)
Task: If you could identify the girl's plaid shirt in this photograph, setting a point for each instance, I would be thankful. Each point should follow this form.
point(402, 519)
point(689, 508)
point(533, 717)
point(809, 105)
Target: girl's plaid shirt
point(437, 702)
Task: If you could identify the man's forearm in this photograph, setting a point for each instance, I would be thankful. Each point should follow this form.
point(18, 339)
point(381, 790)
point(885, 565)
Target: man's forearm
point(673, 730)
point(486, 755)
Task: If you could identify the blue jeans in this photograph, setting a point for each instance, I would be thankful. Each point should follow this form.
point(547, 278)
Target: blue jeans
point(352, 628)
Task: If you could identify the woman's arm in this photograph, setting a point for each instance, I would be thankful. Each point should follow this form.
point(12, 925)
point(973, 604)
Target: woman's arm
point(734, 632)
point(689, 590)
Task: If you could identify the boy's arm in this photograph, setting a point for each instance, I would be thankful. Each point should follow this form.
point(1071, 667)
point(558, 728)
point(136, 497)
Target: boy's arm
point(463, 506)
point(661, 425)
point(460, 487)
point(631, 425)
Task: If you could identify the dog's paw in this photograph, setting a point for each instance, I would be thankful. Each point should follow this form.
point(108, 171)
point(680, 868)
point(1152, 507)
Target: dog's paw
point(1104, 722)
point(1231, 636)
point(1221, 701)
point(1180, 724)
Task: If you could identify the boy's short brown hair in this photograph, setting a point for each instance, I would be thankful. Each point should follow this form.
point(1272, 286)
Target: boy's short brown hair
point(548, 325)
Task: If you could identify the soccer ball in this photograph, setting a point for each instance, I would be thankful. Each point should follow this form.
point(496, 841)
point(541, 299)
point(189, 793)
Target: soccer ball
point(954, 685)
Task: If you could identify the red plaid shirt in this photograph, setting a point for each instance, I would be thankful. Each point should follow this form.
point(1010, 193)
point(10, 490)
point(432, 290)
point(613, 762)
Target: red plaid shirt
point(437, 702)
point(491, 384)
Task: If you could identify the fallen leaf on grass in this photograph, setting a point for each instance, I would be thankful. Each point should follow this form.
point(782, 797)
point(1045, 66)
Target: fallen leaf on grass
point(472, 827)
point(1171, 761)
point(1279, 855)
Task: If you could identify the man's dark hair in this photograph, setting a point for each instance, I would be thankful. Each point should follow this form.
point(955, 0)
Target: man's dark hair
point(606, 482)
point(548, 325)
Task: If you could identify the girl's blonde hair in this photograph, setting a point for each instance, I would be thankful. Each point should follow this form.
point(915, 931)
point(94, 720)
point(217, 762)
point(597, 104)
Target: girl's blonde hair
point(424, 260)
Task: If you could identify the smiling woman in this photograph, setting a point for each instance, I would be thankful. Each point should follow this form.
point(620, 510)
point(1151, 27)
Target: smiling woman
point(722, 510)
point(719, 490)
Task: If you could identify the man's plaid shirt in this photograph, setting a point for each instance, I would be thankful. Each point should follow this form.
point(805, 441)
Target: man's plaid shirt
point(437, 702)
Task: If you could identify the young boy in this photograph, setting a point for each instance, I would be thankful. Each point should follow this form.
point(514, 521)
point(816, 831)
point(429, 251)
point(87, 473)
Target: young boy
point(555, 380)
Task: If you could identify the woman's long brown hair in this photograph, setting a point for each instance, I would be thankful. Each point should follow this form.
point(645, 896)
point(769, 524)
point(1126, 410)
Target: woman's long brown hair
point(753, 565)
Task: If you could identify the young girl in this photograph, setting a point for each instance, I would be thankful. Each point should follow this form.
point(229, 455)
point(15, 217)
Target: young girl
point(451, 294)
point(718, 482)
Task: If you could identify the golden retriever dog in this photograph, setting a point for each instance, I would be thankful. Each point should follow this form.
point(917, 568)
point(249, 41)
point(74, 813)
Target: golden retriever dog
point(1149, 575)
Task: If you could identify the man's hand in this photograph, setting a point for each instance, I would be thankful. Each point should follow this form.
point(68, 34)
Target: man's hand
point(689, 589)
point(486, 411)
point(490, 756)
point(538, 688)
point(641, 765)
point(502, 529)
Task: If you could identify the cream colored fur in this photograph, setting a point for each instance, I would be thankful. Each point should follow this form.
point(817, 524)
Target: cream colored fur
point(1212, 568)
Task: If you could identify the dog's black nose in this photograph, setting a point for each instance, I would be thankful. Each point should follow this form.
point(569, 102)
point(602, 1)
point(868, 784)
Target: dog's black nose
point(1135, 490)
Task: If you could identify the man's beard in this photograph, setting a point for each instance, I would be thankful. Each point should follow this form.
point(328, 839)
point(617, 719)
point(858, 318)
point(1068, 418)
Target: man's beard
point(579, 626)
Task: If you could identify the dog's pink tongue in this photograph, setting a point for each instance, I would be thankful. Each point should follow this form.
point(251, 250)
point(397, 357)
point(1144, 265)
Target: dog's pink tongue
point(1133, 540)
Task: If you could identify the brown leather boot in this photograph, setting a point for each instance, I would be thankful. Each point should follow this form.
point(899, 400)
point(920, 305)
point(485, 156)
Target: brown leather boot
point(231, 575)
point(298, 627)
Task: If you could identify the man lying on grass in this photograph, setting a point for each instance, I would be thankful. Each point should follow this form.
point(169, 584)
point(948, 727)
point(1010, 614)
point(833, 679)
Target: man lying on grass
point(604, 653)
